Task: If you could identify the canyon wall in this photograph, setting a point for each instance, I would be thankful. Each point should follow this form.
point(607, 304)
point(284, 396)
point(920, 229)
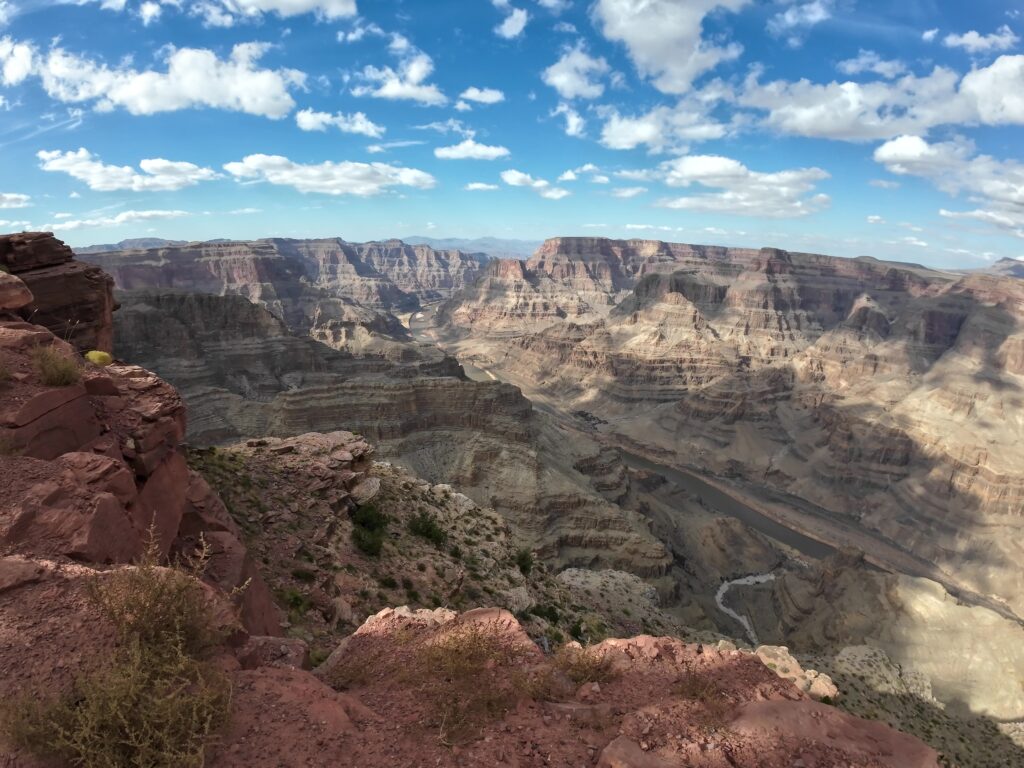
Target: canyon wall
point(887, 394)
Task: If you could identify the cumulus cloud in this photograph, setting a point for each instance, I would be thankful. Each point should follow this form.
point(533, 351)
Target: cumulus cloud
point(514, 23)
point(884, 184)
point(149, 12)
point(157, 174)
point(225, 13)
point(328, 178)
point(664, 38)
point(781, 194)
point(1002, 39)
point(662, 127)
point(310, 120)
point(482, 95)
point(479, 186)
point(14, 200)
point(875, 220)
point(542, 187)
point(195, 77)
point(359, 31)
point(577, 74)
point(869, 61)
point(124, 217)
point(881, 110)
point(407, 82)
point(996, 186)
point(929, 35)
point(470, 150)
point(793, 22)
point(575, 124)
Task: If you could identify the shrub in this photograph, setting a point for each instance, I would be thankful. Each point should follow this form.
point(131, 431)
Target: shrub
point(54, 369)
point(368, 530)
point(388, 582)
point(157, 605)
point(155, 702)
point(424, 525)
point(583, 665)
point(524, 559)
point(152, 706)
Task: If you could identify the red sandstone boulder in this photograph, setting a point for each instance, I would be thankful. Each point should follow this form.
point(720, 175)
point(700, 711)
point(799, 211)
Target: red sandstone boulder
point(14, 294)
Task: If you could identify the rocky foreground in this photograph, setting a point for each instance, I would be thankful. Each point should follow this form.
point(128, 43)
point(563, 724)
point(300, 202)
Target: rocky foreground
point(95, 479)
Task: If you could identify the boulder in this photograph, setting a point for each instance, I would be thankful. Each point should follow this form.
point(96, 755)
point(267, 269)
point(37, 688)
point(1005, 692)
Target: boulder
point(14, 294)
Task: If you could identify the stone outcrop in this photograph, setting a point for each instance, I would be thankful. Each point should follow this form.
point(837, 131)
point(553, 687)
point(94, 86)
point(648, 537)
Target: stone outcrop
point(71, 298)
point(883, 393)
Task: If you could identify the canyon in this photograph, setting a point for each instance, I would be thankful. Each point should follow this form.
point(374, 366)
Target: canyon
point(97, 478)
point(654, 420)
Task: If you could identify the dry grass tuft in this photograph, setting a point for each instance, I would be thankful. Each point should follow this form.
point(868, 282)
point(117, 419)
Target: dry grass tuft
point(583, 665)
point(54, 369)
point(465, 678)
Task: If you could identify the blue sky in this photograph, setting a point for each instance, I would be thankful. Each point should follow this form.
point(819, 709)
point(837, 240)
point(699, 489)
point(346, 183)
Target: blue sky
point(837, 126)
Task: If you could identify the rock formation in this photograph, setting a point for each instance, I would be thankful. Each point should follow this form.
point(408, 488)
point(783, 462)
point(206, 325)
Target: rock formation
point(883, 393)
point(92, 466)
point(71, 298)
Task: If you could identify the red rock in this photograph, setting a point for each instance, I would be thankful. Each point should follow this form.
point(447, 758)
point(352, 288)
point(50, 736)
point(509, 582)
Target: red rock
point(101, 473)
point(274, 652)
point(14, 294)
point(626, 753)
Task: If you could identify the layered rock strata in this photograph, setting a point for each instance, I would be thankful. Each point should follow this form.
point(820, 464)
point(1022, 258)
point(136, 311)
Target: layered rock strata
point(881, 392)
point(71, 298)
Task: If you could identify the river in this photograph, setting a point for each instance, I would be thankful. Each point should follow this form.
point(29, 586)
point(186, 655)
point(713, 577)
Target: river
point(746, 581)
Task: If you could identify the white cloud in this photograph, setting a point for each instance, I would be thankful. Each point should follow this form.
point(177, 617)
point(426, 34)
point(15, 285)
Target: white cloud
point(664, 37)
point(576, 74)
point(482, 95)
point(463, 106)
point(565, 27)
point(1001, 40)
point(225, 13)
point(568, 176)
point(449, 126)
point(555, 6)
point(513, 25)
point(542, 187)
point(195, 77)
point(470, 150)
point(992, 95)
point(408, 82)
point(600, 178)
point(575, 124)
point(869, 61)
point(13, 225)
point(309, 120)
point(17, 60)
point(628, 192)
point(328, 178)
point(479, 186)
point(124, 217)
point(875, 220)
point(929, 35)
point(996, 186)
point(916, 242)
point(14, 200)
point(884, 184)
point(799, 17)
point(158, 175)
point(662, 128)
point(376, 149)
point(359, 31)
point(781, 194)
point(149, 12)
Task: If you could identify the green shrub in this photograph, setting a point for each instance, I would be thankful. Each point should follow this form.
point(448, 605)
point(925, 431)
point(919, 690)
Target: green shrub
point(524, 559)
point(54, 369)
point(424, 525)
point(368, 530)
point(388, 582)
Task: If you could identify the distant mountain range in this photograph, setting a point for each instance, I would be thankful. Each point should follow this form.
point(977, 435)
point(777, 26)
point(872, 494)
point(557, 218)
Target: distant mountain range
point(495, 247)
point(1006, 268)
point(136, 244)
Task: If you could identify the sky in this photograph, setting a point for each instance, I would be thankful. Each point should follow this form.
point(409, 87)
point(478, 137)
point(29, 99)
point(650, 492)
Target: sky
point(849, 127)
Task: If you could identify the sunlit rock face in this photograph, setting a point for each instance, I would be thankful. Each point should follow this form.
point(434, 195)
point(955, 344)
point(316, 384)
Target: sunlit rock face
point(887, 393)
